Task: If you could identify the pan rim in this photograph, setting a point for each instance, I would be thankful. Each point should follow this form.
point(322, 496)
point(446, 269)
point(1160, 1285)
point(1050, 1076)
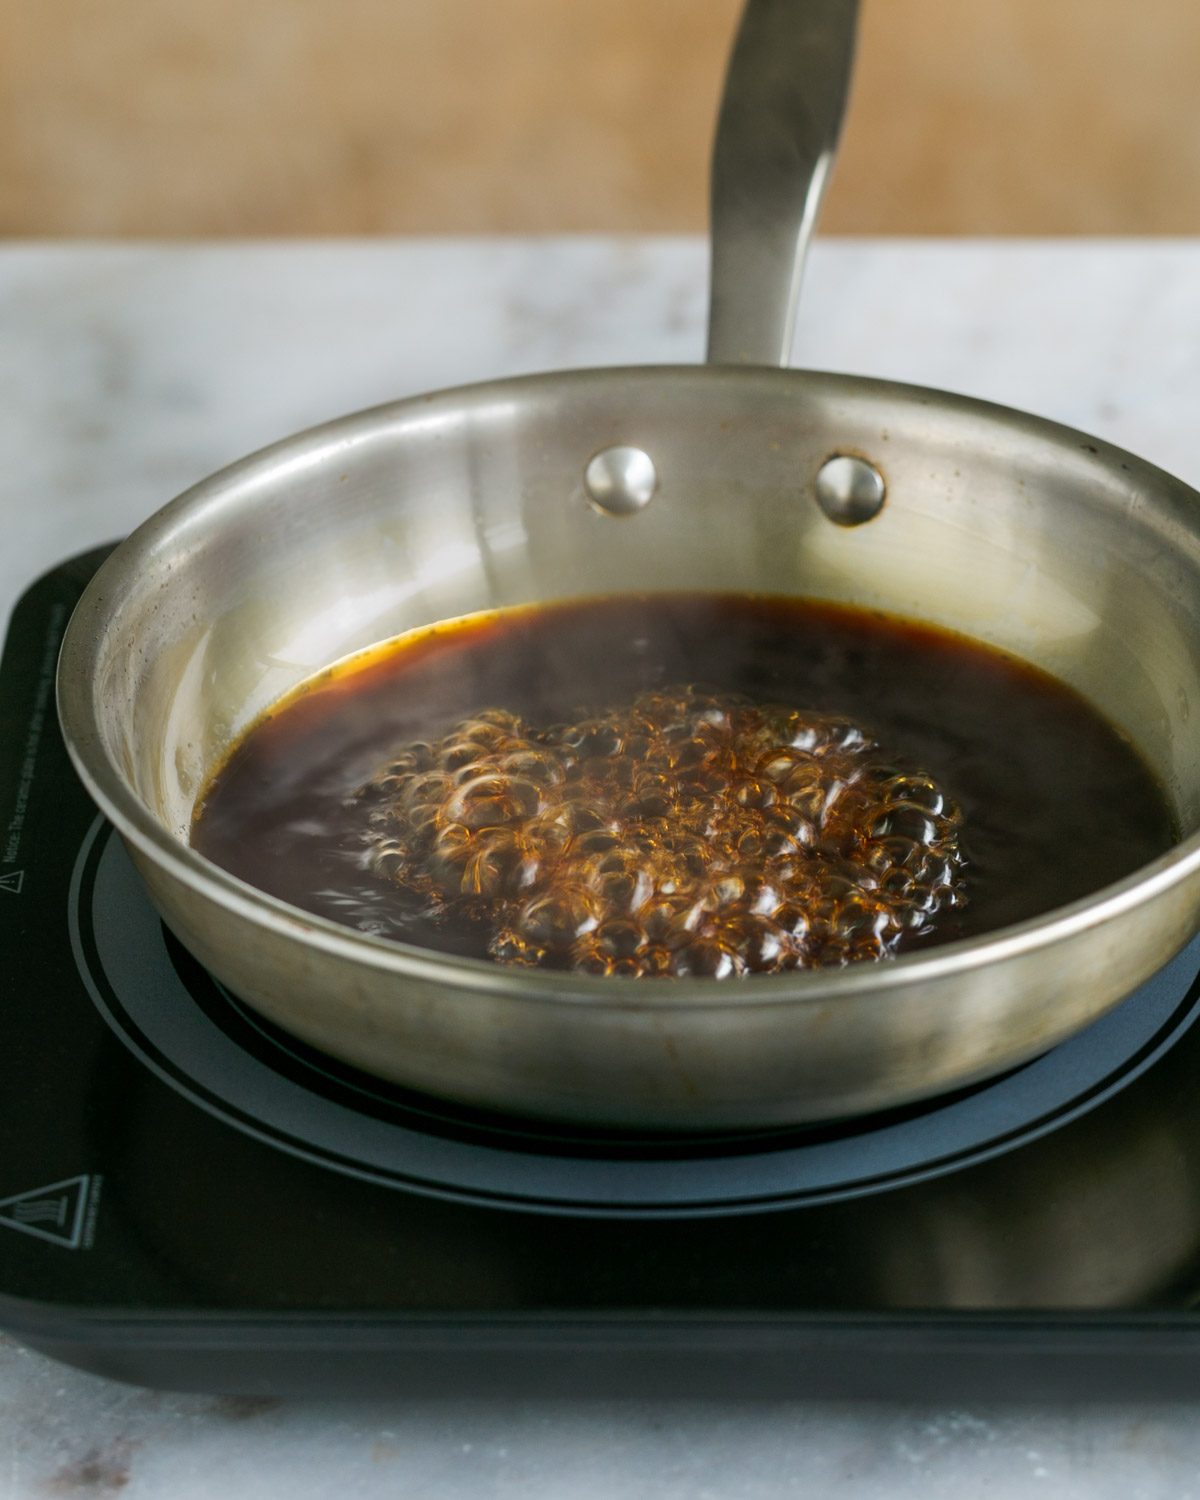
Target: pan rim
point(805, 988)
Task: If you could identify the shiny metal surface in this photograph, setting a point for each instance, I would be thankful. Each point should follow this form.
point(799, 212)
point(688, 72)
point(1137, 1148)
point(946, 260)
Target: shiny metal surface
point(1071, 554)
point(620, 480)
point(1057, 547)
point(849, 490)
point(781, 115)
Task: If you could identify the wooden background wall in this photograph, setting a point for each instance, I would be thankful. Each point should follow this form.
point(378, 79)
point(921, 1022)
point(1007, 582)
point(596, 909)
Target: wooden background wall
point(264, 117)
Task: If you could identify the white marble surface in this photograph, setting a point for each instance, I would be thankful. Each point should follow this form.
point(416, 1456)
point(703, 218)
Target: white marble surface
point(65, 1434)
point(128, 372)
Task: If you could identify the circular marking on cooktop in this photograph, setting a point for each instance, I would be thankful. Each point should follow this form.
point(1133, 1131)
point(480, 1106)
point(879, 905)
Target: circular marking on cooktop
point(218, 1053)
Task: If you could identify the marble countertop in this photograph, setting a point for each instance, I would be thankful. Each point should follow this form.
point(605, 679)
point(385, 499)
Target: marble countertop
point(128, 372)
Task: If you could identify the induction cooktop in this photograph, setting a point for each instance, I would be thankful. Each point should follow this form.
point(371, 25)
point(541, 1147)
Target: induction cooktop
point(191, 1198)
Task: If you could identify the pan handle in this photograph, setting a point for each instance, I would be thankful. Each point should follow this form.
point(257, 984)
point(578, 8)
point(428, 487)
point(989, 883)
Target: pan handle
point(781, 114)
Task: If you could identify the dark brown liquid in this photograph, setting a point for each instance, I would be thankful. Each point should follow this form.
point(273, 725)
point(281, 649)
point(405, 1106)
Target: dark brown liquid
point(1049, 802)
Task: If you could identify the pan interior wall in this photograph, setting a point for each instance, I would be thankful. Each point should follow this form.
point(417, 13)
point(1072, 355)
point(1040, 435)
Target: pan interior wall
point(996, 525)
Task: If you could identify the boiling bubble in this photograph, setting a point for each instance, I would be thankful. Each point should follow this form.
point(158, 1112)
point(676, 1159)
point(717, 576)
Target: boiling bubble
point(688, 833)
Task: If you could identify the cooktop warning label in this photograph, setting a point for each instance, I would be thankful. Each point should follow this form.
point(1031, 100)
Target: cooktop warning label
point(62, 1212)
point(40, 715)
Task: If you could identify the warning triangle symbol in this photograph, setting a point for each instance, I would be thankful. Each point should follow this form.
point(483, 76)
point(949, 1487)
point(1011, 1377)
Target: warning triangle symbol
point(54, 1212)
point(13, 881)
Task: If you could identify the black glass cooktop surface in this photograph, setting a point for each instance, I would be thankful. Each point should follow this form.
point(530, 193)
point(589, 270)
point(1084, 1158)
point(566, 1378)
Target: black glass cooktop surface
point(190, 1197)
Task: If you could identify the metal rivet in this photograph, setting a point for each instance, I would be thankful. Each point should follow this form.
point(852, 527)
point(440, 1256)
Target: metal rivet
point(850, 490)
point(619, 481)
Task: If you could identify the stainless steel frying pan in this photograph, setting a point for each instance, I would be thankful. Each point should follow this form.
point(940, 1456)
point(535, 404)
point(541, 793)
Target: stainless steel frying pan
point(739, 476)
